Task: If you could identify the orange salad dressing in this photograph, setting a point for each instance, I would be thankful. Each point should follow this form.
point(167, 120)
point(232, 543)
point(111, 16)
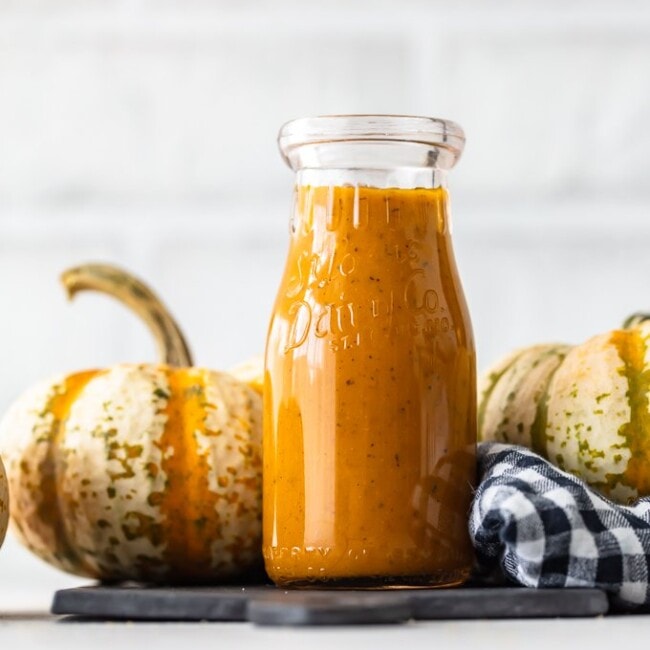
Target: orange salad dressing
point(370, 421)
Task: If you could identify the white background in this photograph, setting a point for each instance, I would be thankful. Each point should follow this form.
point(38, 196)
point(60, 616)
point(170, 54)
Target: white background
point(143, 133)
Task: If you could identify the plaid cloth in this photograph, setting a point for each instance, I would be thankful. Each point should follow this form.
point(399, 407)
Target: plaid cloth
point(542, 527)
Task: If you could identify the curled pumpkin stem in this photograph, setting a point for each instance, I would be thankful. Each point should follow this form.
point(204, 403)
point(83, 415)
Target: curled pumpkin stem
point(138, 297)
point(635, 319)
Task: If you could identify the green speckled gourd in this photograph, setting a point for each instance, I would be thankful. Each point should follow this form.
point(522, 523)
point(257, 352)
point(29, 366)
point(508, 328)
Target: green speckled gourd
point(4, 503)
point(586, 408)
point(146, 472)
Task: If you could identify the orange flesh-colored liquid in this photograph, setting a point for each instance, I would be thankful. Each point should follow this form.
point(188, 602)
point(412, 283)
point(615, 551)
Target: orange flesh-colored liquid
point(370, 421)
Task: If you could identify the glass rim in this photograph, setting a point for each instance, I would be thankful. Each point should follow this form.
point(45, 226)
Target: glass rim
point(323, 129)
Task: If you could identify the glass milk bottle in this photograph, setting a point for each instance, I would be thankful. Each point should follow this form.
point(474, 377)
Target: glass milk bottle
point(370, 381)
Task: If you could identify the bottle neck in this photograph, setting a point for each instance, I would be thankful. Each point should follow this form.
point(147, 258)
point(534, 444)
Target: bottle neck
point(396, 177)
point(324, 214)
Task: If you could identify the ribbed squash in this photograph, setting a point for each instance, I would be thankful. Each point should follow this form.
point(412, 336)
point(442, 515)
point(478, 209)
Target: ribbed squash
point(4, 503)
point(251, 372)
point(139, 471)
point(585, 408)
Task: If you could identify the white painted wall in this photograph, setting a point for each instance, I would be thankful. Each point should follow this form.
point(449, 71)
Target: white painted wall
point(143, 133)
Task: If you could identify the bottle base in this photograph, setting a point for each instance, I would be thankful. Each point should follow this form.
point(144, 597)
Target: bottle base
point(439, 579)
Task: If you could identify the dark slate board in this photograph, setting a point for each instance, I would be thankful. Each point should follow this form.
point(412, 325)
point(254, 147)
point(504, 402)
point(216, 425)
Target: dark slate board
point(267, 605)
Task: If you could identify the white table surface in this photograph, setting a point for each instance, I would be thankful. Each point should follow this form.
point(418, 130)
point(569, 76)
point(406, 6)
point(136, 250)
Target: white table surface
point(25, 631)
point(22, 629)
point(27, 586)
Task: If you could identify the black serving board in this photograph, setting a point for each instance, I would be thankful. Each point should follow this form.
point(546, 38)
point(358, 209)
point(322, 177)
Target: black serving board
point(268, 605)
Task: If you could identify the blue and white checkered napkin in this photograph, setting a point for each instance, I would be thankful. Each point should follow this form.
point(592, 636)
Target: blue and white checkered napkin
point(542, 527)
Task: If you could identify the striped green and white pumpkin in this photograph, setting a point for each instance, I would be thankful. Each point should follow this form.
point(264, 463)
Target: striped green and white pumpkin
point(585, 408)
point(4, 503)
point(139, 471)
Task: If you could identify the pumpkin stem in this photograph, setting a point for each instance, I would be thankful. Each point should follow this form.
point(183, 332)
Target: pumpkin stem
point(635, 319)
point(138, 297)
